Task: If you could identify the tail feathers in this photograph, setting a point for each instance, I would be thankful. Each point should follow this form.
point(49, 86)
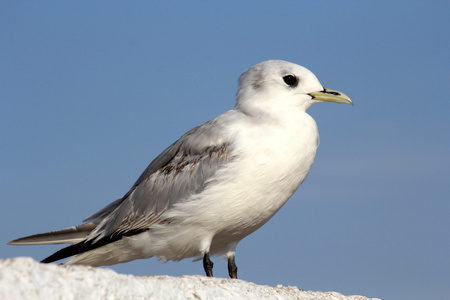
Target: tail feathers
point(69, 235)
point(87, 245)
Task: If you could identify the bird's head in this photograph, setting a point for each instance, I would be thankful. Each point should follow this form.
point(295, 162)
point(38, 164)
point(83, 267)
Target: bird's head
point(280, 85)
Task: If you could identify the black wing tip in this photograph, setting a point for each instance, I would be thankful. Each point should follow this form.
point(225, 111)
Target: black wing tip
point(88, 245)
point(47, 260)
point(63, 253)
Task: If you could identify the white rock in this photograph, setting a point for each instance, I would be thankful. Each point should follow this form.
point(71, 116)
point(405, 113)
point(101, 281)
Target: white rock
point(24, 278)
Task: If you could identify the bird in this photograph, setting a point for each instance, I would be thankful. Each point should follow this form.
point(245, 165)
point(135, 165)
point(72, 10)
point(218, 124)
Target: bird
point(215, 185)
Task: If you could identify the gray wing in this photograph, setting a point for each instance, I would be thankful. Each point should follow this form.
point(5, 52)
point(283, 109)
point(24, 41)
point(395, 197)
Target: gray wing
point(182, 169)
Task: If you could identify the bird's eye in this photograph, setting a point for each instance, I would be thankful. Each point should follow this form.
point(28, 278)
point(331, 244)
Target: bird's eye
point(291, 80)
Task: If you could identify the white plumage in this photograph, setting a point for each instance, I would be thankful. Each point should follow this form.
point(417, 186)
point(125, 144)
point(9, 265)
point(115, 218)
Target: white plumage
point(215, 185)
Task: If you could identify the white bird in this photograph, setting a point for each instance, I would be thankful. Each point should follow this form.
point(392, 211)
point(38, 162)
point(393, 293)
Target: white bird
point(217, 184)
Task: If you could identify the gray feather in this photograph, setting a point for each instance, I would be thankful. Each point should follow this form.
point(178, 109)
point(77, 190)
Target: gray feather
point(183, 169)
point(68, 235)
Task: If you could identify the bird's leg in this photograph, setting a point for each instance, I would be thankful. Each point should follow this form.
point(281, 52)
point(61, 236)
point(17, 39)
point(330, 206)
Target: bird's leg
point(208, 265)
point(232, 268)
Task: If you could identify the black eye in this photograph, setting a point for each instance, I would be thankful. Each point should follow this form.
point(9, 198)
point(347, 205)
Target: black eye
point(291, 80)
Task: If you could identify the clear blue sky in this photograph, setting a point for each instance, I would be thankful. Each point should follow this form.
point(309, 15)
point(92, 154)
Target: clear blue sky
point(92, 91)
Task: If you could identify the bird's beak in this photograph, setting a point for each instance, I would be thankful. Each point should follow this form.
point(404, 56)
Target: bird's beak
point(329, 95)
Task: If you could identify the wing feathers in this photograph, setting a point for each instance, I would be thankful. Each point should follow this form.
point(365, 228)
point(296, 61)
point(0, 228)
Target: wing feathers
point(183, 176)
point(183, 169)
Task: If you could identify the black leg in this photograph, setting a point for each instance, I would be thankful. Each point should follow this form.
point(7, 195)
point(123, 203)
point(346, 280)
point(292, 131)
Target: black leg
point(208, 265)
point(232, 269)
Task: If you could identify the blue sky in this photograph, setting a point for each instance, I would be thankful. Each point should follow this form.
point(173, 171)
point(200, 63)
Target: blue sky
point(92, 91)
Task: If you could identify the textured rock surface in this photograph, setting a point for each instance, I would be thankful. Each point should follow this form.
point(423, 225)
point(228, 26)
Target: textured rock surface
point(24, 278)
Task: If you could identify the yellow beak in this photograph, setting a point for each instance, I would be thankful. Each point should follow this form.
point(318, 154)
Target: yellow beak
point(329, 95)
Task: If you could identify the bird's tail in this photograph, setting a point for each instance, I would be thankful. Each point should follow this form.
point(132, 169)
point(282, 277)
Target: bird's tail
point(64, 236)
point(81, 246)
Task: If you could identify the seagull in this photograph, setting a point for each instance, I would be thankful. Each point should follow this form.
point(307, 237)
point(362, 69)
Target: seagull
point(215, 185)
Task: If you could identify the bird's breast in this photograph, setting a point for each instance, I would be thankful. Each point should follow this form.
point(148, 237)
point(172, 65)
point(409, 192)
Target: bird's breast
point(278, 158)
point(270, 164)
